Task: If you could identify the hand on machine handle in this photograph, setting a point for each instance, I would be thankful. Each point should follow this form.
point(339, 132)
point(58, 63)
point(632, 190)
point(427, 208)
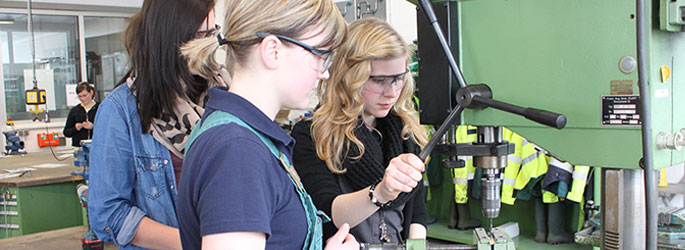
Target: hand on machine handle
point(402, 175)
point(342, 240)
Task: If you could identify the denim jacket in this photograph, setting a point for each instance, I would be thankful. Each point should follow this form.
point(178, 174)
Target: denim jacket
point(131, 174)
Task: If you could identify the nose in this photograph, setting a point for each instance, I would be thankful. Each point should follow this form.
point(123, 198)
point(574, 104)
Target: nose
point(392, 90)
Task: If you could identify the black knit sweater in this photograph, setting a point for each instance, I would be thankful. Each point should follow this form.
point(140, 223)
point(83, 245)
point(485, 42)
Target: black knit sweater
point(323, 185)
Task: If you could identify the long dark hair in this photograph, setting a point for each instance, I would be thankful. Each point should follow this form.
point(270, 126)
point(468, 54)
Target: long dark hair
point(152, 40)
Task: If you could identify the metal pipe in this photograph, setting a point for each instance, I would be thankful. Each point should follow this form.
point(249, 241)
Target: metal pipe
point(451, 118)
point(643, 83)
point(33, 44)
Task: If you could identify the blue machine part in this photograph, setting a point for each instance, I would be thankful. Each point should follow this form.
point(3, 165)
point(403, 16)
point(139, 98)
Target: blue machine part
point(13, 143)
point(82, 156)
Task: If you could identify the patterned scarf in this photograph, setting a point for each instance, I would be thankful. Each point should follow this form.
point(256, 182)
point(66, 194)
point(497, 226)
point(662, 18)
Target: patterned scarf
point(370, 168)
point(172, 129)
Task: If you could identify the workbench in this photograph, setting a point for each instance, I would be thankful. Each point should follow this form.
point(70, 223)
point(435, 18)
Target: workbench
point(67, 238)
point(41, 199)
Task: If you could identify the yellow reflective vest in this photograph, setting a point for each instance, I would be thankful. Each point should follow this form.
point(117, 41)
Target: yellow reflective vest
point(464, 134)
point(580, 174)
point(513, 166)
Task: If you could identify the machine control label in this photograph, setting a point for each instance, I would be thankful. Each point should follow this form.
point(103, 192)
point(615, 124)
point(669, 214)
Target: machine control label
point(621, 110)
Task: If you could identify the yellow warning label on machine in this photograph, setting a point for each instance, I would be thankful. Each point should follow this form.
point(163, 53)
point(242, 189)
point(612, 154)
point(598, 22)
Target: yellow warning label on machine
point(665, 73)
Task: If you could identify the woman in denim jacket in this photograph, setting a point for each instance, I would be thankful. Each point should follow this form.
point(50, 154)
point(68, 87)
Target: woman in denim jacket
point(141, 127)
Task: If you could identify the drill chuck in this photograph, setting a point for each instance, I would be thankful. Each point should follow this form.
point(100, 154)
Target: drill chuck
point(491, 193)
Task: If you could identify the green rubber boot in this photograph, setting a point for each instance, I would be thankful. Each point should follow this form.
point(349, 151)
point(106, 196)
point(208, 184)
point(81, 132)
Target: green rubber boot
point(556, 223)
point(453, 213)
point(465, 220)
point(540, 221)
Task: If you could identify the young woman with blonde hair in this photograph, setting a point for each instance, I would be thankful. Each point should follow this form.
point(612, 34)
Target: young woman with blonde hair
point(238, 190)
point(357, 154)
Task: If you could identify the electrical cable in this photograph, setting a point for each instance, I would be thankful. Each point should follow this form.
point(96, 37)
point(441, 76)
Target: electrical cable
point(50, 145)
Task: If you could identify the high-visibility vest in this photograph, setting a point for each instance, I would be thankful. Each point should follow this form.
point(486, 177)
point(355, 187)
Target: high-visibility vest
point(529, 165)
point(464, 134)
point(549, 197)
point(530, 186)
point(513, 166)
point(580, 174)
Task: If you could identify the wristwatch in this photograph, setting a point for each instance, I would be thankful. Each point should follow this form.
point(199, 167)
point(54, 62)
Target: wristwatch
point(374, 199)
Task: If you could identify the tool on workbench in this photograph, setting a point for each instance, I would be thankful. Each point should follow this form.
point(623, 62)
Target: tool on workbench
point(82, 156)
point(13, 144)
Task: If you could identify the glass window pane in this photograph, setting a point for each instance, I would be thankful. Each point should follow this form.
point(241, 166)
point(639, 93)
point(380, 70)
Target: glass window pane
point(107, 60)
point(57, 61)
point(3, 44)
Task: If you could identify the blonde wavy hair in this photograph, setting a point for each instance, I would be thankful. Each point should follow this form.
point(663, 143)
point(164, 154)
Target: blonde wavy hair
point(341, 102)
point(244, 18)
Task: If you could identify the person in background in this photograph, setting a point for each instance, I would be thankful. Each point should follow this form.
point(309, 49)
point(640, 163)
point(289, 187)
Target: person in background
point(143, 124)
point(358, 153)
point(79, 124)
point(238, 190)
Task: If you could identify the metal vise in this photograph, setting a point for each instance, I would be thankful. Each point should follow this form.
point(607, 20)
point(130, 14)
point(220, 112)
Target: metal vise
point(13, 143)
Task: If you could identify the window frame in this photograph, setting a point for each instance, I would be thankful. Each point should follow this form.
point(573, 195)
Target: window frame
point(80, 15)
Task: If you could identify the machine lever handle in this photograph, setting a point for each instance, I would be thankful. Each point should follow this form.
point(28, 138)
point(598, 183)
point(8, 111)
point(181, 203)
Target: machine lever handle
point(545, 117)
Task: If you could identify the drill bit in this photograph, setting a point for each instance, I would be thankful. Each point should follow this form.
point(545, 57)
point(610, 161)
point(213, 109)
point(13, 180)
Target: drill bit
point(491, 225)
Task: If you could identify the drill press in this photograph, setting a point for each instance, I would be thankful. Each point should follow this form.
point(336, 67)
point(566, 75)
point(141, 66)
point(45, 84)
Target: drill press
point(489, 153)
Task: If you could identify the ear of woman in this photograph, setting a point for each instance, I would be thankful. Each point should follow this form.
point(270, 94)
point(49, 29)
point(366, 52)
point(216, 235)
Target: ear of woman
point(269, 52)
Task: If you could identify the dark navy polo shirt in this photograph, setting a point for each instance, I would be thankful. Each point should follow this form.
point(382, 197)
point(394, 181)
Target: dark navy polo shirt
point(231, 182)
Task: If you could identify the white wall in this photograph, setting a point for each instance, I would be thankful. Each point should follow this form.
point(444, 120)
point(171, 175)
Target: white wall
point(402, 17)
point(35, 128)
point(220, 11)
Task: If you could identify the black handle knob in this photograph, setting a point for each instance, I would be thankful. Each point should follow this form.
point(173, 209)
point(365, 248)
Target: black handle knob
point(545, 117)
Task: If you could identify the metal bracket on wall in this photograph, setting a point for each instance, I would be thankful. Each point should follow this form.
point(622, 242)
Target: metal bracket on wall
point(369, 10)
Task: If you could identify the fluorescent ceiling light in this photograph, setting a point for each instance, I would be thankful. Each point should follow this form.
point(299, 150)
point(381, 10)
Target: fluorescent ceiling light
point(6, 21)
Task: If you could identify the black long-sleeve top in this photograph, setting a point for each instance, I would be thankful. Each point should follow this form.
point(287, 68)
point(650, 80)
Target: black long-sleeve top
point(78, 114)
point(323, 186)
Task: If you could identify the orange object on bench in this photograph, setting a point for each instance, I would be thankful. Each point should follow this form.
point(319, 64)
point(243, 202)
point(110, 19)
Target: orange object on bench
point(45, 139)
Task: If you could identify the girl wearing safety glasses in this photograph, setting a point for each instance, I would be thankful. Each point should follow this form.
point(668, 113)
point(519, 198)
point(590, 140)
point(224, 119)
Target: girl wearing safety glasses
point(357, 154)
point(238, 188)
